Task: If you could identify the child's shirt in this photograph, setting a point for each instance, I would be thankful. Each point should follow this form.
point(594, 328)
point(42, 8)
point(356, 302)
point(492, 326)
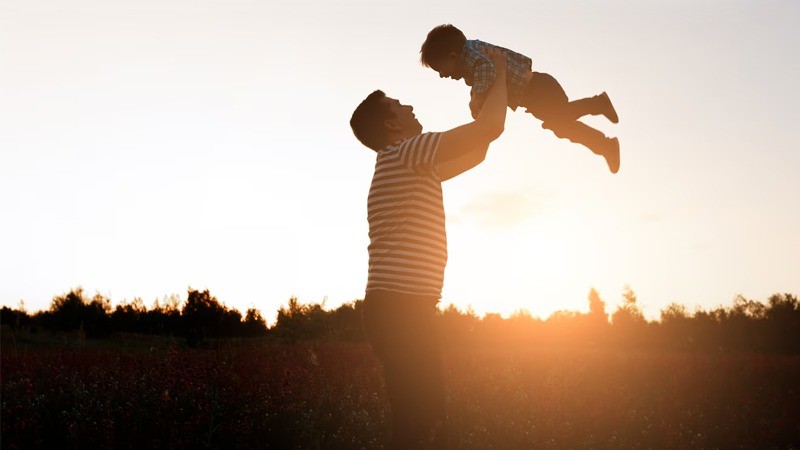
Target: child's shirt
point(479, 72)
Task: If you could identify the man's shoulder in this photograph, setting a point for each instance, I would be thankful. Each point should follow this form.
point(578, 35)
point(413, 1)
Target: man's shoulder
point(420, 139)
point(416, 154)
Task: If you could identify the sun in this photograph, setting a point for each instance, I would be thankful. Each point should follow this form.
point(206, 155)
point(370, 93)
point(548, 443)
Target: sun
point(534, 266)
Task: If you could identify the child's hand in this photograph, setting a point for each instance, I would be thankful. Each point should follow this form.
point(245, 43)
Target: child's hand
point(498, 58)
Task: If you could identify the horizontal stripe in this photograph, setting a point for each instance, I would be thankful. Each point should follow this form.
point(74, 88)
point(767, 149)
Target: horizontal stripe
point(410, 231)
point(379, 254)
point(385, 263)
point(411, 240)
point(403, 289)
point(426, 251)
point(412, 223)
point(409, 279)
point(377, 209)
point(421, 214)
point(404, 184)
point(408, 240)
point(400, 174)
point(404, 201)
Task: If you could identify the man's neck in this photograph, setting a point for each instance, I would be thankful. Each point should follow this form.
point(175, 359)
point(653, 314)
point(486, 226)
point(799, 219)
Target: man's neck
point(397, 137)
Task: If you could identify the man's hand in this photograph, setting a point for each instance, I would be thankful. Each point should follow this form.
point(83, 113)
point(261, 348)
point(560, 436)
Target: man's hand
point(464, 147)
point(498, 58)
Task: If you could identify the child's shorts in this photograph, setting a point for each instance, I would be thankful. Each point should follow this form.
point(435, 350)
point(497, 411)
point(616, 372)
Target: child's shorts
point(543, 96)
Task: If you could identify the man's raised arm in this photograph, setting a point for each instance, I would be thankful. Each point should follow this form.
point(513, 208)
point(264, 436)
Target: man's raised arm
point(464, 147)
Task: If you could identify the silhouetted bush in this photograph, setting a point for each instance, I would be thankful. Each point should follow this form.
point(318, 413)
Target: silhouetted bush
point(745, 325)
point(254, 324)
point(73, 311)
point(201, 317)
point(298, 321)
point(205, 317)
point(15, 319)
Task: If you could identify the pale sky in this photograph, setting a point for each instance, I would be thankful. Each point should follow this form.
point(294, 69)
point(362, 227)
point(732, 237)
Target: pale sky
point(148, 146)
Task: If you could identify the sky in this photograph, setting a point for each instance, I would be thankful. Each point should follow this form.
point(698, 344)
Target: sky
point(151, 146)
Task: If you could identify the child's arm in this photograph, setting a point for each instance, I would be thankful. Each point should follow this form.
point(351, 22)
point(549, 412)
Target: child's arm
point(464, 147)
point(483, 77)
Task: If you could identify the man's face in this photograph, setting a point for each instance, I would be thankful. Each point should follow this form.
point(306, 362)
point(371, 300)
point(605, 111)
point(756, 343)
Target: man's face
point(448, 67)
point(404, 117)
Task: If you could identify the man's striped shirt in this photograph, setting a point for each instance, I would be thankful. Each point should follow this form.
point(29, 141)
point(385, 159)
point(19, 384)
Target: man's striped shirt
point(408, 243)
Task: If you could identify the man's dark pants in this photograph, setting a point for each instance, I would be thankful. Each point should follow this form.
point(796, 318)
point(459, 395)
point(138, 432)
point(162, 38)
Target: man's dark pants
point(404, 336)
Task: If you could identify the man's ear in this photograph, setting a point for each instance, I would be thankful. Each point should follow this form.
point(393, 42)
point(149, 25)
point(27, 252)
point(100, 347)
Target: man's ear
point(453, 56)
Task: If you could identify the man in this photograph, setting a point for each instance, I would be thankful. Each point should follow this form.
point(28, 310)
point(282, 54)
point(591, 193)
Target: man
point(408, 249)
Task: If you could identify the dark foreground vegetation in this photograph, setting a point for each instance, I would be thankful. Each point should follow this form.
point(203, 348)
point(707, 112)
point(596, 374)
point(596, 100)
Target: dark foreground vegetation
point(258, 394)
point(84, 375)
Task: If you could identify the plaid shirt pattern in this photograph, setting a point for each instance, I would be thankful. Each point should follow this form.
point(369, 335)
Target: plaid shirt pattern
point(479, 71)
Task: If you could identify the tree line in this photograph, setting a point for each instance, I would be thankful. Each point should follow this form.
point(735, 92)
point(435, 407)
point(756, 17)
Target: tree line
point(771, 326)
point(200, 317)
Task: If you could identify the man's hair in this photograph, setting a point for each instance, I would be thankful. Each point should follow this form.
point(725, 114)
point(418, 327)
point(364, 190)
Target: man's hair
point(368, 118)
point(441, 41)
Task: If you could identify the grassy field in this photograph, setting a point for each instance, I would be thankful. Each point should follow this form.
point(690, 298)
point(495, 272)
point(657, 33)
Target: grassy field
point(141, 392)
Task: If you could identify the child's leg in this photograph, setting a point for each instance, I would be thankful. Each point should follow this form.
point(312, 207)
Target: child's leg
point(580, 133)
point(599, 104)
point(546, 99)
point(548, 102)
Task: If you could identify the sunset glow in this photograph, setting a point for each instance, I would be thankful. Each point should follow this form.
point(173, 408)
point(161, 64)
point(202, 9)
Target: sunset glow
point(152, 146)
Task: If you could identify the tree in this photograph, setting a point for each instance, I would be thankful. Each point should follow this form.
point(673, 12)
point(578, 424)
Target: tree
point(674, 312)
point(73, 311)
point(66, 311)
point(628, 313)
point(597, 307)
point(127, 317)
point(16, 319)
point(346, 321)
point(748, 309)
point(629, 325)
point(677, 329)
point(458, 327)
point(202, 316)
point(298, 321)
point(783, 315)
point(254, 324)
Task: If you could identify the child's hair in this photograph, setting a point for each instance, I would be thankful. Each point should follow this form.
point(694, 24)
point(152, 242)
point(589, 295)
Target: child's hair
point(367, 121)
point(441, 41)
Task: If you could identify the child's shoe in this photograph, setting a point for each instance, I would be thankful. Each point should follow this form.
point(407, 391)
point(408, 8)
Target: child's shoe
point(611, 154)
point(607, 109)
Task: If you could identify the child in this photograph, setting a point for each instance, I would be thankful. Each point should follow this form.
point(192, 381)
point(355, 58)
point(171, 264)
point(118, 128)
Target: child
point(447, 51)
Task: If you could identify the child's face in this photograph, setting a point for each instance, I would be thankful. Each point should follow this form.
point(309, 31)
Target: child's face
point(448, 67)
